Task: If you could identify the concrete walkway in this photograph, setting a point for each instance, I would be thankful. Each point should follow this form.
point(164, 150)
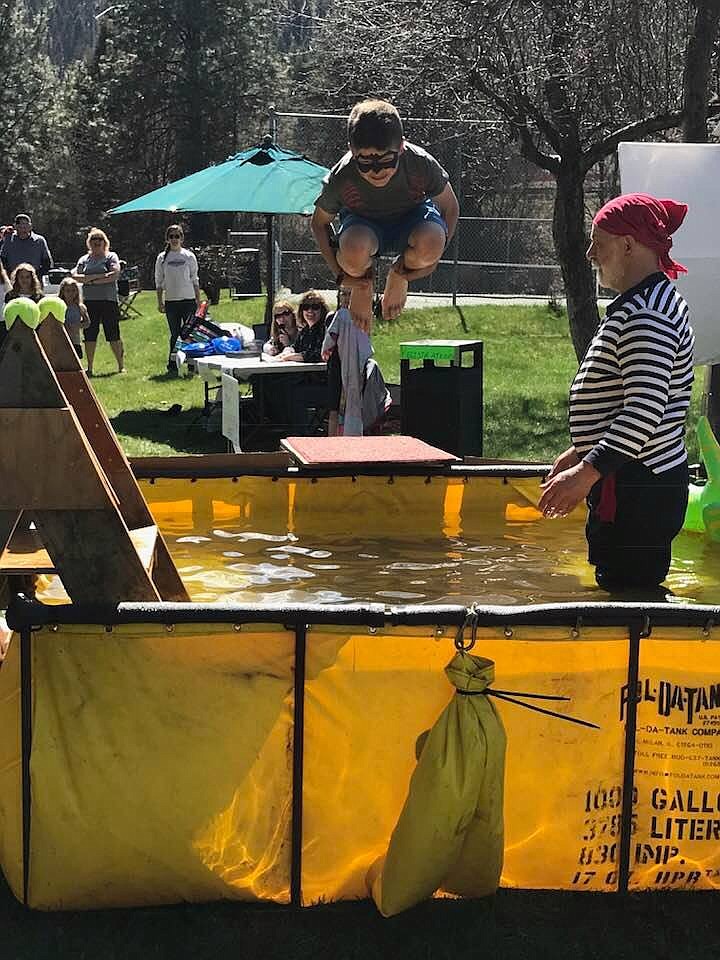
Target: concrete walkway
point(419, 300)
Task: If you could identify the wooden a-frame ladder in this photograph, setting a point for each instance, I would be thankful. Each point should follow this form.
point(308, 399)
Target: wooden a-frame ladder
point(63, 471)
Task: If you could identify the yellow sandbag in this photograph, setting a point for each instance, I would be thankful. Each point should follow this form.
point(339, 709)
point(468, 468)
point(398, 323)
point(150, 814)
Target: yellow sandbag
point(450, 832)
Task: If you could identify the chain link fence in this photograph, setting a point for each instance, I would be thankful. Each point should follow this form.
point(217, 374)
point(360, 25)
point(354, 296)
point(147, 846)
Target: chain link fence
point(507, 254)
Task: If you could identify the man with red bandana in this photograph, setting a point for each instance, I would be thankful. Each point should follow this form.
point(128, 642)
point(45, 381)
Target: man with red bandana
point(629, 401)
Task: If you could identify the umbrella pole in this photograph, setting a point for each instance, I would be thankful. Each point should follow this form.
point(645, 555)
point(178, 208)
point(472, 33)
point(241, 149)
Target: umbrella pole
point(270, 271)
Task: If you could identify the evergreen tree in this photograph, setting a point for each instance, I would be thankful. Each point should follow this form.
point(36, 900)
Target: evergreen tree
point(29, 86)
point(172, 86)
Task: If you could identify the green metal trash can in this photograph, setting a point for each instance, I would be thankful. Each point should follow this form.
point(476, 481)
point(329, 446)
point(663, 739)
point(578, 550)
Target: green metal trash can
point(442, 400)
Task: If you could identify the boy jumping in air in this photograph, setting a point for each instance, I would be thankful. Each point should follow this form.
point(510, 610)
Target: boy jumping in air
point(391, 196)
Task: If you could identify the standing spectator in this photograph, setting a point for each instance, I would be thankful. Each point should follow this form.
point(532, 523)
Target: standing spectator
point(5, 285)
point(23, 283)
point(98, 272)
point(176, 282)
point(24, 246)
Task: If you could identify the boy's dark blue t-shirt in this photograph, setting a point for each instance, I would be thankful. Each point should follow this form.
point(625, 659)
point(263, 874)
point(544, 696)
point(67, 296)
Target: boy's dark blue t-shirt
point(417, 177)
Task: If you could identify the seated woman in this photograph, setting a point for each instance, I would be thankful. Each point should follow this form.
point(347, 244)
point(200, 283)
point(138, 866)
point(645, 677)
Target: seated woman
point(309, 389)
point(283, 329)
point(312, 311)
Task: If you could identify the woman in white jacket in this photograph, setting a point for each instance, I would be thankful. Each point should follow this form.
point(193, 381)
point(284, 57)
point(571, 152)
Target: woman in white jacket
point(176, 282)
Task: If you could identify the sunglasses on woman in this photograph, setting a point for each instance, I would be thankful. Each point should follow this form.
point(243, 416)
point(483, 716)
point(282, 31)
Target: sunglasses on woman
point(174, 236)
point(312, 306)
point(282, 313)
point(377, 164)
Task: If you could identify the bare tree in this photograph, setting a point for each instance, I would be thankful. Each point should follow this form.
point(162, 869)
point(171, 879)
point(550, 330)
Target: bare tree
point(569, 79)
point(573, 80)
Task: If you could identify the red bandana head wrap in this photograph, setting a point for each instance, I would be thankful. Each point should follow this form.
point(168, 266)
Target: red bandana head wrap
point(649, 220)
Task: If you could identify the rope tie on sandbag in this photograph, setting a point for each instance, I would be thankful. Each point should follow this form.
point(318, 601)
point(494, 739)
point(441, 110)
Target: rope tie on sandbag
point(511, 695)
point(471, 623)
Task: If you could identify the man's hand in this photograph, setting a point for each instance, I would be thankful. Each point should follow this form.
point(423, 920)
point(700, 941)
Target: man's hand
point(563, 491)
point(567, 459)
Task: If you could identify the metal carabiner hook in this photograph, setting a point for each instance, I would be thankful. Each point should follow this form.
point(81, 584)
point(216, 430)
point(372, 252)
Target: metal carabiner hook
point(471, 619)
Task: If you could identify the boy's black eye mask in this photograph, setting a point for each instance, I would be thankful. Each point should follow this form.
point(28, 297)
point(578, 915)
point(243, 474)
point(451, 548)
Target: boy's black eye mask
point(378, 164)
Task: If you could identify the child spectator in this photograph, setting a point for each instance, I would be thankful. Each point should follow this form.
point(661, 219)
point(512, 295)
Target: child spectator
point(358, 394)
point(390, 195)
point(331, 355)
point(77, 318)
point(24, 282)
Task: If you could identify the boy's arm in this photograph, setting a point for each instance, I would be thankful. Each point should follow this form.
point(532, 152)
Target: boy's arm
point(320, 226)
point(449, 208)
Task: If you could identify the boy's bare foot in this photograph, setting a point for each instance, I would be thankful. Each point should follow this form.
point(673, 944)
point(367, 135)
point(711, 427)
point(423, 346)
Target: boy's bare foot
point(395, 295)
point(361, 299)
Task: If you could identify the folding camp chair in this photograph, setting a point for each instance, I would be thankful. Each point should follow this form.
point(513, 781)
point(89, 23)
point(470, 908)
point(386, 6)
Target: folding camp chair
point(128, 289)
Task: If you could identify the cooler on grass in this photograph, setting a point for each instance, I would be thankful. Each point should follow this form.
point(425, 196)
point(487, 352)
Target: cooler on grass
point(442, 401)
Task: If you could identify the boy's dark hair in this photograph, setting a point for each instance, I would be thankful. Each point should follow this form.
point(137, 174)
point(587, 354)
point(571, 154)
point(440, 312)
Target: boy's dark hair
point(374, 123)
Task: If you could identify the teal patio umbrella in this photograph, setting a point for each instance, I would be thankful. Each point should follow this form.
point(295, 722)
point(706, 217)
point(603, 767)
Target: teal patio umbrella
point(264, 179)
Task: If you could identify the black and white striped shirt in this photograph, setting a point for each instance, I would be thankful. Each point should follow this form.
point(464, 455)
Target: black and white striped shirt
point(630, 397)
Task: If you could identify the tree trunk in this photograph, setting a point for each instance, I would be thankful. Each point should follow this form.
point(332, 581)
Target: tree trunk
point(571, 242)
point(696, 70)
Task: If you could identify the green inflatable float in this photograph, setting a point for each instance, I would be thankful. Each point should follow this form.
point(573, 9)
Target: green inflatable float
point(24, 309)
point(703, 512)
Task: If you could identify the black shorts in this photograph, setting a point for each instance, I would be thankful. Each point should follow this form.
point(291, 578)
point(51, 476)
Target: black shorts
point(334, 377)
point(634, 550)
point(107, 313)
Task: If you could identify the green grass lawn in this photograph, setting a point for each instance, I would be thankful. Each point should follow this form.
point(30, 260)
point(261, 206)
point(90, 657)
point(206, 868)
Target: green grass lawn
point(528, 365)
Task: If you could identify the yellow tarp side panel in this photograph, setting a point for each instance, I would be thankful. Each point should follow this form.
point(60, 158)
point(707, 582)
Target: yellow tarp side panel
point(369, 506)
point(365, 713)
point(514, 500)
point(253, 502)
point(529, 489)
point(362, 718)
point(161, 766)
point(551, 764)
point(676, 809)
point(452, 507)
point(450, 831)
point(11, 856)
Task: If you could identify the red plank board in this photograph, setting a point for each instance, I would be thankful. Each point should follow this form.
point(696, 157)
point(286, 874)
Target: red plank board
point(337, 451)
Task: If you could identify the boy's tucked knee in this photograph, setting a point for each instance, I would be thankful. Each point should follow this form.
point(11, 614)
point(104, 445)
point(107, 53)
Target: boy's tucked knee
point(426, 247)
point(355, 255)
